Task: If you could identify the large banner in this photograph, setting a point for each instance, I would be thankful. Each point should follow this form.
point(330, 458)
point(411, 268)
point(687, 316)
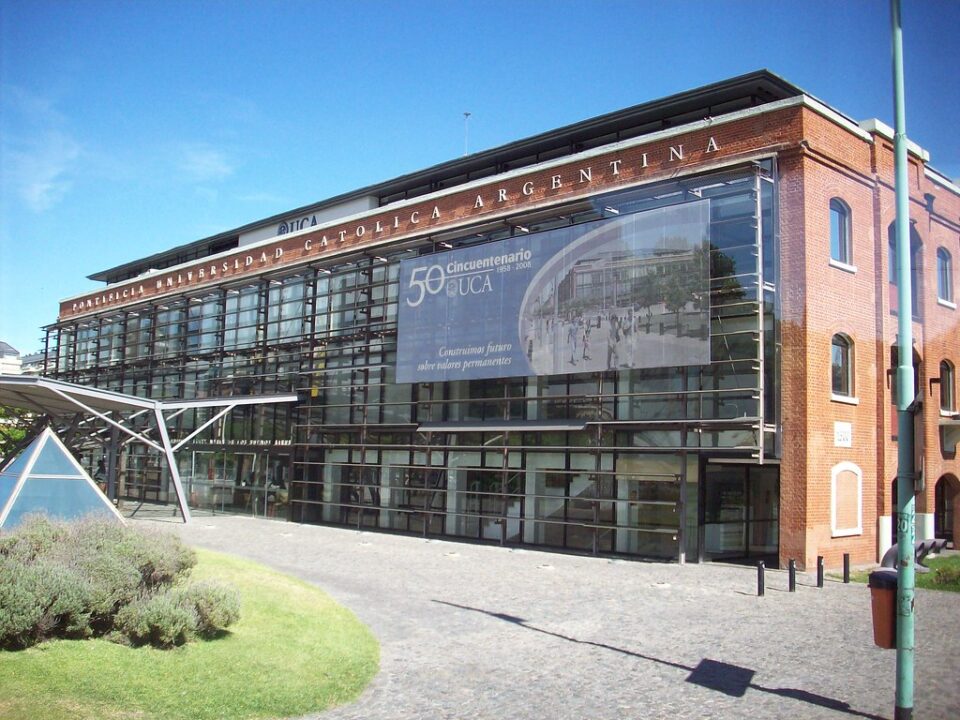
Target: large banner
point(625, 292)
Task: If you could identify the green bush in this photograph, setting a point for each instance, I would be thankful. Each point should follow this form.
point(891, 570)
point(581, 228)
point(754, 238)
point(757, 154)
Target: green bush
point(946, 575)
point(38, 599)
point(165, 560)
point(95, 577)
point(174, 615)
point(35, 536)
point(214, 604)
point(159, 558)
point(20, 610)
point(159, 619)
point(111, 580)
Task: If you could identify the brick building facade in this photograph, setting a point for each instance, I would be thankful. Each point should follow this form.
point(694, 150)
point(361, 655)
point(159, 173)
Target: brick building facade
point(781, 444)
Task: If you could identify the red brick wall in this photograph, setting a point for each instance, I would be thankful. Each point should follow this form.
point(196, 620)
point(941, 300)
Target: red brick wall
point(820, 300)
point(839, 301)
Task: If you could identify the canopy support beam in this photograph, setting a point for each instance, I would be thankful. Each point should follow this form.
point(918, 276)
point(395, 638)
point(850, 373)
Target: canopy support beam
point(172, 463)
point(203, 427)
point(58, 399)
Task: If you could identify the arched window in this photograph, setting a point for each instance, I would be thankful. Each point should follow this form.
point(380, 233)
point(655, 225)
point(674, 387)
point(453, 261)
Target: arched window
point(944, 275)
point(840, 248)
point(948, 390)
point(841, 362)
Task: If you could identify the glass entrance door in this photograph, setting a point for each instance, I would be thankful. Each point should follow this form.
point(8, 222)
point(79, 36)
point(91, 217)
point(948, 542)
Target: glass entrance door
point(740, 513)
point(725, 512)
point(223, 481)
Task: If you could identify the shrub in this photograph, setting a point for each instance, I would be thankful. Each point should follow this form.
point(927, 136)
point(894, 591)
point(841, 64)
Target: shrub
point(63, 597)
point(119, 563)
point(20, 605)
point(35, 536)
point(214, 604)
point(159, 558)
point(946, 576)
point(40, 599)
point(173, 615)
point(159, 619)
point(95, 577)
point(111, 580)
point(163, 558)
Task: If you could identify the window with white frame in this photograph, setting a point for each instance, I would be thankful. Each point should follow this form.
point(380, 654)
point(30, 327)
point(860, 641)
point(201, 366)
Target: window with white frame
point(944, 275)
point(840, 247)
point(841, 366)
point(948, 390)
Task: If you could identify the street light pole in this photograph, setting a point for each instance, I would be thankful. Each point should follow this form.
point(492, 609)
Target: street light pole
point(905, 382)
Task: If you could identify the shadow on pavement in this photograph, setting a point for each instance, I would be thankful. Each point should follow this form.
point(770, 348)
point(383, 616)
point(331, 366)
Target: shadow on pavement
point(723, 677)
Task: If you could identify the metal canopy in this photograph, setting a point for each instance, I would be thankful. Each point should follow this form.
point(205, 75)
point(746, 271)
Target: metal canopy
point(59, 399)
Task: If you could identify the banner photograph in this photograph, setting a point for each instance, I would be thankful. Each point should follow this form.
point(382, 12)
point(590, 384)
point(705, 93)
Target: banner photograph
point(630, 291)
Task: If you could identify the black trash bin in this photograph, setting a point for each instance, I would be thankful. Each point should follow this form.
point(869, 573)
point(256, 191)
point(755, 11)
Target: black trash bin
point(883, 602)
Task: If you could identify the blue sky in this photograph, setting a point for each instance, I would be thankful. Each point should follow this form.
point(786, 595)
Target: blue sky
point(130, 127)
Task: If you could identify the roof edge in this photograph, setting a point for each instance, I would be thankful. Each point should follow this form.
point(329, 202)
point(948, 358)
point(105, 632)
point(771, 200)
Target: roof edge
point(764, 79)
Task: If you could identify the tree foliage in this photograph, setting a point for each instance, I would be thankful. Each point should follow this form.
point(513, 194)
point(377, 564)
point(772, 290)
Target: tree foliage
point(15, 424)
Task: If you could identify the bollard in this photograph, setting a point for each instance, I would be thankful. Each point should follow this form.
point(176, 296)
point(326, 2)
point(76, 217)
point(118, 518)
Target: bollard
point(792, 575)
point(819, 571)
point(760, 568)
point(846, 567)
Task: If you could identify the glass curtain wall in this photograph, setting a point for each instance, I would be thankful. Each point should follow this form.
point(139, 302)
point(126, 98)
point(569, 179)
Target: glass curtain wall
point(621, 472)
point(602, 462)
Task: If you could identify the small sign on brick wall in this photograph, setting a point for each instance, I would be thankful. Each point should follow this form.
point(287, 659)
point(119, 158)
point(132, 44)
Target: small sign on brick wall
point(842, 434)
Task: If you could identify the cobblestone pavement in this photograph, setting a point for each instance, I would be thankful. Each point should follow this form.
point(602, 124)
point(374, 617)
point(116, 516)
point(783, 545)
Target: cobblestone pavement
point(471, 631)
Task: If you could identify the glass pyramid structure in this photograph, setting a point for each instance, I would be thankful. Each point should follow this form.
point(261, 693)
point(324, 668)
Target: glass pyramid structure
point(46, 479)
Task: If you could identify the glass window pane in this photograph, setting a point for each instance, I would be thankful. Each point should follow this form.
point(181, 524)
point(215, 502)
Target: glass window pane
point(57, 498)
point(947, 390)
point(840, 362)
point(944, 275)
point(52, 461)
point(839, 232)
point(20, 462)
point(7, 483)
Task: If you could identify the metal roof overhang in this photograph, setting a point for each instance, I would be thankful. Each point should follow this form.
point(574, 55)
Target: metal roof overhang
point(59, 399)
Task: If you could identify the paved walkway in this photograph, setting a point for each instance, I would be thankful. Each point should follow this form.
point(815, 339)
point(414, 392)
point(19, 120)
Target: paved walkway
point(471, 631)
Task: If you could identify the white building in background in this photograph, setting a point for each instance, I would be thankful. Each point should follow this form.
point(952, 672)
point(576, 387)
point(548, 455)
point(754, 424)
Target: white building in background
point(32, 364)
point(9, 359)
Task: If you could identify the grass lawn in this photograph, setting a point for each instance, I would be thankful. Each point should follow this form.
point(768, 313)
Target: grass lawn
point(294, 651)
point(948, 564)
